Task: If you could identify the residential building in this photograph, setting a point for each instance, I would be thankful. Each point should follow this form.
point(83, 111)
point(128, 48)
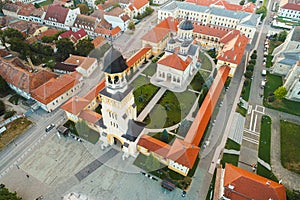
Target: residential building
point(10, 9)
point(60, 17)
point(74, 37)
point(85, 65)
point(98, 41)
point(204, 15)
point(138, 58)
point(56, 91)
point(25, 11)
point(23, 1)
point(159, 2)
point(289, 9)
point(237, 184)
point(64, 3)
point(117, 17)
point(37, 15)
point(88, 23)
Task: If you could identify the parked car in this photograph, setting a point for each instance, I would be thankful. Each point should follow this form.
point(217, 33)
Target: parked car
point(49, 127)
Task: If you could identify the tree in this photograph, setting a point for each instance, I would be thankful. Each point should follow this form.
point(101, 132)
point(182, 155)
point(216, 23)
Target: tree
point(250, 67)
point(97, 2)
point(165, 136)
point(152, 163)
point(262, 10)
point(64, 48)
point(254, 56)
point(7, 195)
point(84, 47)
point(281, 36)
point(280, 92)
point(248, 74)
point(242, 2)
point(4, 88)
point(84, 9)
point(2, 107)
point(36, 5)
point(131, 26)
point(13, 33)
point(9, 114)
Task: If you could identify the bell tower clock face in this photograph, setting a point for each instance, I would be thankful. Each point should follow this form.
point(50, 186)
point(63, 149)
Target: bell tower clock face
point(109, 80)
point(116, 79)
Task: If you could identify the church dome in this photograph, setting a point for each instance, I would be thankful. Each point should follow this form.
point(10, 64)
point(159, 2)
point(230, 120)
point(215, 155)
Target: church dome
point(185, 43)
point(172, 41)
point(114, 62)
point(186, 25)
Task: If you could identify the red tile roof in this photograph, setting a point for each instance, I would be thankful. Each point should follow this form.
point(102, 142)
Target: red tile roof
point(201, 120)
point(93, 93)
point(77, 35)
point(183, 153)
point(235, 45)
point(49, 32)
point(75, 105)
point(54, 88)
point(117, 11)
point(98, 41)
point(137, 56)
point(56, 13)
point(26, 10)
point(175, 62)
point(23, 79)
point(291, 6)
point(154, 145)
point(169, 23)
point(90, 116)
point(155, 35)
point(125, 18)
point(211, 30)
point(248, 185)
point(80, 61)
point(139, 3)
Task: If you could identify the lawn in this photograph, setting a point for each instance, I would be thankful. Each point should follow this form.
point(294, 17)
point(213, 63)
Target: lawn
point(46, 3)
point(265, 139)
point(170, 109)
point(246, 94)
point(290, 146)
point(13, 130)
point(143, 93)
point(151, 69)
point(197, 82)
point(264, 172)
point(163, 172)
point(230, 158)
point(159, 136)
point(241, 110)
point(230, 144)
point(284, 105)
point(206, 64)
point(204, 74)
point(273, 45)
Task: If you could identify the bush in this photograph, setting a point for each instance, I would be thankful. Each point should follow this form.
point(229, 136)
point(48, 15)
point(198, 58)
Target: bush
point(253, 56)
point(9, 114)
point(246, 82)
point(250, 67)
point(248, 74)
point(262, 10)
point(252, 61)
point(271, 98)
point(2, 108)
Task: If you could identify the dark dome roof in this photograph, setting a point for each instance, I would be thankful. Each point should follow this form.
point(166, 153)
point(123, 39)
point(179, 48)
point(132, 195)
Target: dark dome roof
point(114, 62)
point(172, 41)
point(186, 25)
point(185, 43)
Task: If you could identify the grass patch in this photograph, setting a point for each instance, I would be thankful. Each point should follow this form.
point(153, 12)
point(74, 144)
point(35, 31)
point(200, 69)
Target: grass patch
point(13, 130)
point(143, 94)
point(230, 158)
point(204, 74)
point(172, 107)
point(246, 93)
point(290, 146)
point(159, 136)
point(273, 45)
point(211, 186)
point(14, 99)
point(46, 3)
point(197, 82)
point(163, 172)
point(264, 172)
point(206, 64)
point(230, 144)
point(265, 139)
point(284, 105)
point(241, 110)
point(151, 69)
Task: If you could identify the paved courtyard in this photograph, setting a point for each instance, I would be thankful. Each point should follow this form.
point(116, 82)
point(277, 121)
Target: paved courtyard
point(61, 166)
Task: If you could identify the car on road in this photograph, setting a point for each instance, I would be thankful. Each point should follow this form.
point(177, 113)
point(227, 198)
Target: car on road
point(264, 72)
point(50, 127)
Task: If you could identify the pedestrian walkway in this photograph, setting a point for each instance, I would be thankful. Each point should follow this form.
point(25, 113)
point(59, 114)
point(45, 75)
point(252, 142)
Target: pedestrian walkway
point(265, 164)
point(231, 151)
point(237, 127)
point(151, 104)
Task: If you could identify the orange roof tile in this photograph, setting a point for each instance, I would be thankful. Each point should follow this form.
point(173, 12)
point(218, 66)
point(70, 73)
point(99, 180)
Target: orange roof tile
point(183, 153)
point(98, 41)
point(201, 120)
point(117, 11)
point(80, 61)
point(54, 88)
point(175, 62)
point(95, 91)
point(137, 56)
point(26, 9)
point(248, 185)
point(211, 31)
point(140, 3)
point(156, 35)
point(154, 145)
point(75, 105)
point(90, 116)
point(115, 30)
point(169, 23)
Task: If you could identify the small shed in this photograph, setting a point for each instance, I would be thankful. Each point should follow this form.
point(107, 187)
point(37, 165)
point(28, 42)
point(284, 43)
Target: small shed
point(63, 130)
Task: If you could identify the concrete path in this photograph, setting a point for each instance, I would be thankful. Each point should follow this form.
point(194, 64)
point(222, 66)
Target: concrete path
point(265, 164)
point(237, 127)
point(151, 104)
point(290, 179)
point(231, 151)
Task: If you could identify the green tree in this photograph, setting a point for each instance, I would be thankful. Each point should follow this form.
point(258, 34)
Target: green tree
point(64, 48)
point(242, 2)
point(131, 25)
point(4, 88)
point(84, 9)
point(248, 74)
point(152, 163)
point(9, 113)
point(5, 194)
point(13, 33)
point(280, 92)
point(2, 107)
point(165, 136)
point(84, 47)
point(97, 2)
point(36, 5)
point(281, 36)
point(262, 10)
